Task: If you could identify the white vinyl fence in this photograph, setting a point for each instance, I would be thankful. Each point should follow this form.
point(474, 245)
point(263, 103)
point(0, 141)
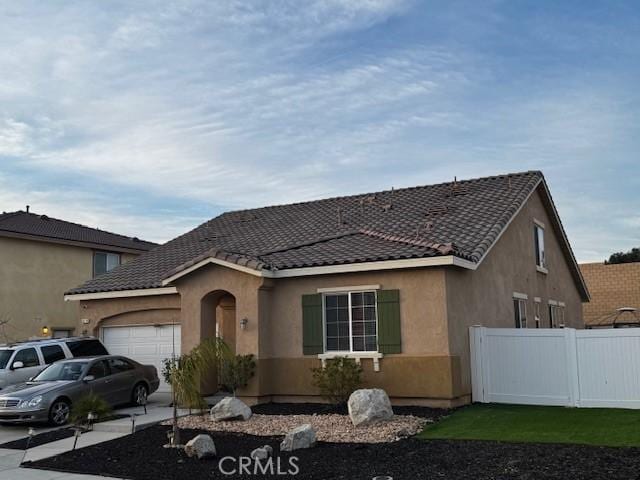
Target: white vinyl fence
point(579, 368)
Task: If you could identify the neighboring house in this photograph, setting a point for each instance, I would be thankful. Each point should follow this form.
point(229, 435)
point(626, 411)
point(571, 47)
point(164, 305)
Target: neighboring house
point(615, 294)
point(40, 258)
point(393, 279)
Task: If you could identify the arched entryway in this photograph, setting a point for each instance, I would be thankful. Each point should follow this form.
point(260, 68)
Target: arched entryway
point(217, 318)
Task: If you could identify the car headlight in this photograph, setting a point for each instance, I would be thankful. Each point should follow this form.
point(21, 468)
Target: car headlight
point(34, 402)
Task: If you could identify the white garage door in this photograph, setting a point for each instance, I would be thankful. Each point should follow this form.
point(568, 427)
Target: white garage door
point(149, 345)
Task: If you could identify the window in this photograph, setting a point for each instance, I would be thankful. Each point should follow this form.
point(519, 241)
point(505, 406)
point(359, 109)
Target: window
point(28, 357)
point(5, 355)
point(61, 332)
point(351, 322)
point(536, 311)
point(556, 314)
point(104, 262)
point(119, 365)
point(99, 369)
point(538, 236)
point(520, 312)
point(52, 353)
point(86, 348)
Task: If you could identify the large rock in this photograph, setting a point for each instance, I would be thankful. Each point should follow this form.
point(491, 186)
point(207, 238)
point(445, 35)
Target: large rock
point(370, 405)
point(261, 453)
point(201, 446)
point(303, 436)
point(230, 408)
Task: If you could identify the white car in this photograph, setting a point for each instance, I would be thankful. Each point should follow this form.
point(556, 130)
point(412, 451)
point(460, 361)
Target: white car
point(22, 360)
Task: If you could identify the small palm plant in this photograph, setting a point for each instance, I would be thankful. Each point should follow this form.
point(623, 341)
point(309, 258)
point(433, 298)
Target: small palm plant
point(185, 376)
point(91, 403)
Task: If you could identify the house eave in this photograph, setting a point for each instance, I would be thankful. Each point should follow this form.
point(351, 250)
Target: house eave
point(142, 292)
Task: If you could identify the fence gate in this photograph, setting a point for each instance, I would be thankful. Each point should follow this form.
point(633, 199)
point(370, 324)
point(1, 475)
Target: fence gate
point(567, 367)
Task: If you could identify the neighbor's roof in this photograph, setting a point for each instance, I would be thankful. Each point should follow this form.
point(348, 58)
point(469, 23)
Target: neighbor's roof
point(23, 224)
point(461, 219)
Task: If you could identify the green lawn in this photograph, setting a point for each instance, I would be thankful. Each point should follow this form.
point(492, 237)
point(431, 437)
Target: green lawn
point(520, 423)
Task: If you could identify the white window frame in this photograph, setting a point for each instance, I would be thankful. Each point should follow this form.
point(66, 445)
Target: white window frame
point(351, 352)
point(556, 314)
point(539, 245)
point(103, 252)
point(537, 302)
point(521, 300)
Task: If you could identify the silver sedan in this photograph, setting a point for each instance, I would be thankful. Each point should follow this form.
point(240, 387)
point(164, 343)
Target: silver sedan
point(49, 396)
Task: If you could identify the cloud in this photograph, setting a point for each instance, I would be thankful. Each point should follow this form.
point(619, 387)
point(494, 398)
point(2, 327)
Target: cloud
point(196, 106)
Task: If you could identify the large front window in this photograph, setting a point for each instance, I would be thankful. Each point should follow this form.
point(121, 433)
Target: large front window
point(350, 322)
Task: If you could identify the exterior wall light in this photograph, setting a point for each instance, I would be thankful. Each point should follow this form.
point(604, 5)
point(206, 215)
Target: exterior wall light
point(243, 323)
point(45, 330)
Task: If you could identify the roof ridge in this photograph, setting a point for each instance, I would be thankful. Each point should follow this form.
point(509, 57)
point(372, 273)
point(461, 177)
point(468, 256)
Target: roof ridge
point(395, 190)
point(40, 215)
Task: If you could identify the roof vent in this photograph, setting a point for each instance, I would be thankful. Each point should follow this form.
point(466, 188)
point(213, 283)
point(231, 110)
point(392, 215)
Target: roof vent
point(438, 209)
point(44, 217)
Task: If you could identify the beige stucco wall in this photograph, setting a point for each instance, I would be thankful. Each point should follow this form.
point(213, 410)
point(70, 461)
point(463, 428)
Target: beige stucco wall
point(33, 278)
point(485, 296)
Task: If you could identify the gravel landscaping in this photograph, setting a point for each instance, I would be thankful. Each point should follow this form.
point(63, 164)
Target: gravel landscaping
point(141, 457)
point(329, 428)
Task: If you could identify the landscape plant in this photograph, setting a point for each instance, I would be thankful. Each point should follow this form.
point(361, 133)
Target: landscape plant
point(236, 372)
point(89, 403)
point(186, 373)
point(338, 379)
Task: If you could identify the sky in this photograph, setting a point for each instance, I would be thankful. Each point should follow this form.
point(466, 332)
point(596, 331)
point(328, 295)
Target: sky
point(148, 118)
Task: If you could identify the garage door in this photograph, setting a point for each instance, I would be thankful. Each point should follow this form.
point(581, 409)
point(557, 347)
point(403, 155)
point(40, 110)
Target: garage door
point(149, 345)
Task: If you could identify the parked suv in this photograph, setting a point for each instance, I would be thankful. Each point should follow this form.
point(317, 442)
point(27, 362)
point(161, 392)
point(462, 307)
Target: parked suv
point(22, 360)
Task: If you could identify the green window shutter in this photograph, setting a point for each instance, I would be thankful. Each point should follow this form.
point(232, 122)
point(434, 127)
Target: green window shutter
point(389, 321)
point(312, 341)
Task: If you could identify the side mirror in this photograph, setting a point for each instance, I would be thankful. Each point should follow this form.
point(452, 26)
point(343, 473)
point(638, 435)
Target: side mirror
point(88, 378)
point(17, 365)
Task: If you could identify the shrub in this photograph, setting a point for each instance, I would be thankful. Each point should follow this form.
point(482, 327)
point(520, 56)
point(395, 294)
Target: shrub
point(168, 364)
point(236, 372)
point(90, 402)
point(338, 379)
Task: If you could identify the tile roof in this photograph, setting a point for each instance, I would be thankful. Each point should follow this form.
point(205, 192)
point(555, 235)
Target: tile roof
point(25, 223)
point(461, 218)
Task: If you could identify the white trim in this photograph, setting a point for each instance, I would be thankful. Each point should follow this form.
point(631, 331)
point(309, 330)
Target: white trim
point(537, 299)
point(357, 356)
point(539, 223)
point(542, 269)
point(561, 304)
point(331, 269)
point(121, 293)
point(520, 296)
point(553, 302)
point(358, 288)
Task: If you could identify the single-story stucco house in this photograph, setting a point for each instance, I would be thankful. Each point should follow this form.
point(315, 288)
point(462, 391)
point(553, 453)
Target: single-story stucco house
point(393, 279)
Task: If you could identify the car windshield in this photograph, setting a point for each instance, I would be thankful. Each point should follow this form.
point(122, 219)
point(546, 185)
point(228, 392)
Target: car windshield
point(61, 371)
point(5, 355)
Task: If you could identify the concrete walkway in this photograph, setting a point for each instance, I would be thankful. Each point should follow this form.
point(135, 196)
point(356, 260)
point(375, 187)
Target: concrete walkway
point(10, 460)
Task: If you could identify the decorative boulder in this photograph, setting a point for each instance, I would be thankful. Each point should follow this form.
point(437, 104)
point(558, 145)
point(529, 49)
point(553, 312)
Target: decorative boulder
point(303, 436)
point(370, 405)
point(201, 446)
point(261, 453)
point(230, 408)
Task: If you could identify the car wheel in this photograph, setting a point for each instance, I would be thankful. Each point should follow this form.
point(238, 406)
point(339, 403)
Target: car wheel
point(59, 412)
point(139, 394)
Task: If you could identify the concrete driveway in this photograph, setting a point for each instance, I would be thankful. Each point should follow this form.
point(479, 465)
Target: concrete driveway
point(9, 433)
